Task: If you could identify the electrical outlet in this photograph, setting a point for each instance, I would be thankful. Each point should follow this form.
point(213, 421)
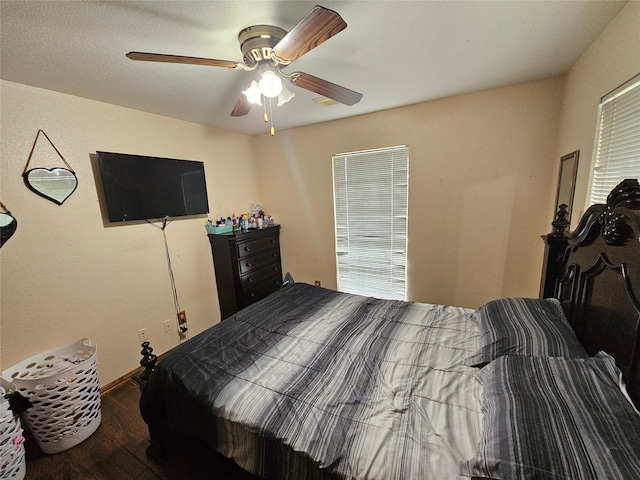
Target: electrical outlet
point(167, 325)
point(142, 335)
point(318, 283)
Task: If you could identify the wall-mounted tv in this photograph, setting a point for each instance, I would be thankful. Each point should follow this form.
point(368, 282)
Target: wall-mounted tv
point(137, 187)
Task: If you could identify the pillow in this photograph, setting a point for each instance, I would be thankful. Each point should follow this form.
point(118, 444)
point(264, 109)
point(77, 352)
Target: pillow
point(555, 418)
point(523, 326)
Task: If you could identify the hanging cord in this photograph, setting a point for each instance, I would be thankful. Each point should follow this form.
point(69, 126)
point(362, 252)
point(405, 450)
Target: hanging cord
point(54, 147)
point(265, 117)
point(173, 280)
point(165, 222)
point(273, 131)
point(270, 115)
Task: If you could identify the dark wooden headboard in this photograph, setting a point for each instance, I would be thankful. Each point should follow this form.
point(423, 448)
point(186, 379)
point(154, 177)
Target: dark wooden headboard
point(595, 273)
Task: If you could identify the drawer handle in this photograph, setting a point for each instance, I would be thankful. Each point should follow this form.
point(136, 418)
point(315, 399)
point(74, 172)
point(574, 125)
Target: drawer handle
point(275, 269)
point(274, 255)
point(247, 249)
point(252, 294)
point(250, 280)
point(248, 264)
point(273, 241)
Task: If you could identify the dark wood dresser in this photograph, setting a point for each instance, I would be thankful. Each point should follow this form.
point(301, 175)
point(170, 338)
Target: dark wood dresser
point(247, 266)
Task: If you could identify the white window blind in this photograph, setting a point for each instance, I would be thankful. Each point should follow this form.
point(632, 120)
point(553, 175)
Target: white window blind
point(370, 191)
point(617, 146)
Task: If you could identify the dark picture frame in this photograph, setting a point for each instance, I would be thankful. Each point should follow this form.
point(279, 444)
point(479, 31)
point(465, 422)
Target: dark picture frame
point(567, 181)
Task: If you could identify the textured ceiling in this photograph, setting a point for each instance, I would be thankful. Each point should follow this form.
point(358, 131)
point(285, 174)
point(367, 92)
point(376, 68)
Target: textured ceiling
point(393, 52)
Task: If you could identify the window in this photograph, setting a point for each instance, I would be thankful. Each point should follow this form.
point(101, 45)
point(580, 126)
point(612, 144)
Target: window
point(370, 194)
point(617, 149)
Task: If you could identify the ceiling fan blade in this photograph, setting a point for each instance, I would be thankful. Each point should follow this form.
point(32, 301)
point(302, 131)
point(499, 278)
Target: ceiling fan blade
point(241, 107)
point(325, 88)
point(317, 26)
point(158, 57)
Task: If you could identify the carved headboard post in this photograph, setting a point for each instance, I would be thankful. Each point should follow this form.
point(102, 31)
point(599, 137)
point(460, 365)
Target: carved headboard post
point(556, 244)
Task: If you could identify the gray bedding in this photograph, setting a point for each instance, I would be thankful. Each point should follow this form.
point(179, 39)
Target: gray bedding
point(558, 419)
point(313, 383)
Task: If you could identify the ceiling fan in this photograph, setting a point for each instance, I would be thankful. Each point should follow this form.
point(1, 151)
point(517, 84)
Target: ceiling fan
point(268, 49)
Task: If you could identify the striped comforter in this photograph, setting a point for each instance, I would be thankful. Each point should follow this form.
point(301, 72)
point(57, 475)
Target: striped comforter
point(313, 383)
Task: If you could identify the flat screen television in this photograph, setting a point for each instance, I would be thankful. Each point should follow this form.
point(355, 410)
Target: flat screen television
point(137, 187)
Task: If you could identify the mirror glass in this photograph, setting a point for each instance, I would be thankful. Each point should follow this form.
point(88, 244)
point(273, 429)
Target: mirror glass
point(8, 226)
point(56, 184)
point(567, 181)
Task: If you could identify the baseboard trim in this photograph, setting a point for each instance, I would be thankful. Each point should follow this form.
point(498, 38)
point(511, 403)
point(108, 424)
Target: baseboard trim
point(118, 382)
point(109, 387)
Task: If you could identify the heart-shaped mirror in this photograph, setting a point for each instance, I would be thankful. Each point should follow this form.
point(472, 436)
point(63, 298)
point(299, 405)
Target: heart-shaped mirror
point(8, 226)
point(56, 184)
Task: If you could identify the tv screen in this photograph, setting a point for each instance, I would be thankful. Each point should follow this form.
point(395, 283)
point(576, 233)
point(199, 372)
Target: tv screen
point(137, 187)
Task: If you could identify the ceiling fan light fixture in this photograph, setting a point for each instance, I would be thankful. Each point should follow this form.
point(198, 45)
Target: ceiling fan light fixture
point(285, 96)
point(270, 84)
point(253, 93)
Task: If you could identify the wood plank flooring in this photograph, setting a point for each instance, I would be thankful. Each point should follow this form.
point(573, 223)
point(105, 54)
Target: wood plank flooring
point(116, 451)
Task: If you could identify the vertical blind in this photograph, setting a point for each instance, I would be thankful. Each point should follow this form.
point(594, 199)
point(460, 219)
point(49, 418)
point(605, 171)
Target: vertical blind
point(617, 152)
point(370, 191)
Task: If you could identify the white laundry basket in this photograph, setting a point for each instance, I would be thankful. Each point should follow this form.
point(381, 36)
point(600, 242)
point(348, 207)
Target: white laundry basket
point(62, 384)
point(12, 461)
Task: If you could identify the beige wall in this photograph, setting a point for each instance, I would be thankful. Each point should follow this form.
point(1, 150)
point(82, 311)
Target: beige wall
point(480, 165)
point(610, 61)
point(480, 172)
point(66, 273)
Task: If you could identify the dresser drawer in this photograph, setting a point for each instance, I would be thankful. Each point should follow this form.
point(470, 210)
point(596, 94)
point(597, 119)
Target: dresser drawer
point(249, 248)
point(248, 264)
point(260, 275)
point(258, 292)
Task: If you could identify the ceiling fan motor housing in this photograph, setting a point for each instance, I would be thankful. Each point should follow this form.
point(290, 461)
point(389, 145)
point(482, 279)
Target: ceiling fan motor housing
point(257, 41)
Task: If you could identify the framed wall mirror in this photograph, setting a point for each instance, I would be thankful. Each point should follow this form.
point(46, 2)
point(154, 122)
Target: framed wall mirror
point(567, 181)
point(8, 224)
point(55, 184)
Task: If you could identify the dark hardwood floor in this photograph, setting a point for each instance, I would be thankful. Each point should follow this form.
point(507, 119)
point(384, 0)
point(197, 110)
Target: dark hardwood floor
point(117, 451)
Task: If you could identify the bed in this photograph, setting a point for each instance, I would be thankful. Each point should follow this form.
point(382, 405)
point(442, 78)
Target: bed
point(311, 383)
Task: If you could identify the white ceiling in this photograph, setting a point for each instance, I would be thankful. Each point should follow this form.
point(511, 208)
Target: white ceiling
point(393, 52)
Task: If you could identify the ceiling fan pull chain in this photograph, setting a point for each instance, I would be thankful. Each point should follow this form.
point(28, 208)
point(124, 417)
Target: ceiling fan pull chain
point(273, 131)
point(264, 106)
